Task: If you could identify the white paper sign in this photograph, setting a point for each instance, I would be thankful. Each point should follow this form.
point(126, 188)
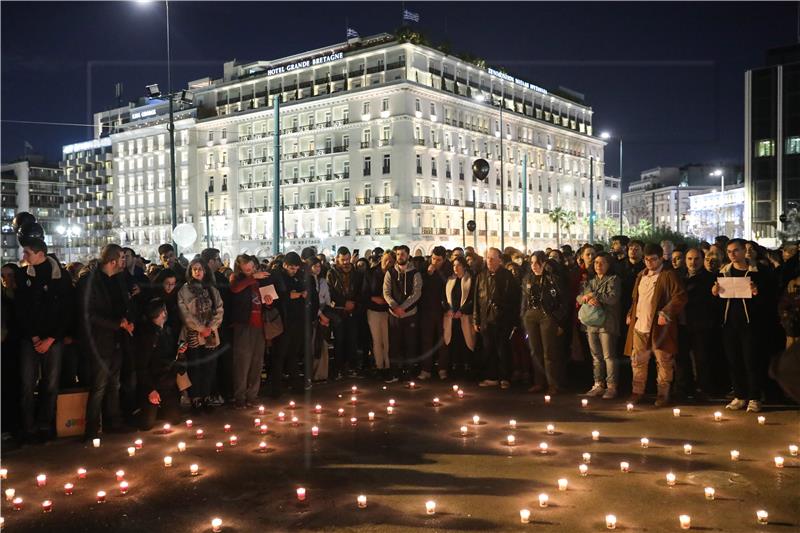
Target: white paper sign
point(268, 290)
point(734, 288)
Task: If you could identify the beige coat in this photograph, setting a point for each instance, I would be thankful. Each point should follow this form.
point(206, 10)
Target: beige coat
point(466, 320)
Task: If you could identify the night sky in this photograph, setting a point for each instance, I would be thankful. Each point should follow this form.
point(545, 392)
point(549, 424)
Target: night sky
point(668, 77)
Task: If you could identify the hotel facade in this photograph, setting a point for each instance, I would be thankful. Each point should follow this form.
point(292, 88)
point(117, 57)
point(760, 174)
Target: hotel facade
point(377, 139)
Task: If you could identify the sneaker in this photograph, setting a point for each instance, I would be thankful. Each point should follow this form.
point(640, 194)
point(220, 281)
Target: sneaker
point(754, 406)
point(424, 375)
point(442, 374)
point(736, 404)
point(308, 384)
point(611, 393)
point(505, 384)
point(393, 379)
point(597, 390)
point(489, 383)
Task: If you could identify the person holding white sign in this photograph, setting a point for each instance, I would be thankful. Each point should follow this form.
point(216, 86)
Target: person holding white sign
point(738, 285)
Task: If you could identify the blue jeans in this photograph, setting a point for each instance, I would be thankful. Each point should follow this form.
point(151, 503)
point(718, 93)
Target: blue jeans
point(31, 362)
point(603, 357)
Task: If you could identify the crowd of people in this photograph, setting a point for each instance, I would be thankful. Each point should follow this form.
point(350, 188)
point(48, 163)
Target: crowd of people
point(148, 340)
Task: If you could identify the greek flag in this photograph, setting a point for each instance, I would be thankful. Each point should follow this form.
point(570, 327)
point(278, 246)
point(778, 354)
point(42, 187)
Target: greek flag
point(351, 33)
point(410, 15)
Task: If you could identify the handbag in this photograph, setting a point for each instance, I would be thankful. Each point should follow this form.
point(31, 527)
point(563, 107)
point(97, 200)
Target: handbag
point(590, 315)
point(182, 381)
point(272, 322)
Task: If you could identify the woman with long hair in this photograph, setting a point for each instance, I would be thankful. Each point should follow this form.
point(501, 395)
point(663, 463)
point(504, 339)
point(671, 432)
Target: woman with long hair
point(458, 331)
point(201, 310)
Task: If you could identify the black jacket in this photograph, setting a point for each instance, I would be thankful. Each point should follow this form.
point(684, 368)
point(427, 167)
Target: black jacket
point(494, 303)
point(101, 315)
point(156, 352)
point(702, 311)
point(373, 286)
point(44, 297)
point(433, 303)
point(546, 294)
point(339, 295)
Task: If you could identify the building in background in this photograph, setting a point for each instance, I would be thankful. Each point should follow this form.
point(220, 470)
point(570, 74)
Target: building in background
point(661, 197)
point(377, 141)
point(33, 185)
point(772, 143)
point(716, 213)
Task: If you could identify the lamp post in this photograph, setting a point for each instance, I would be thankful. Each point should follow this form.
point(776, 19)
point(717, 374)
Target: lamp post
point(719, 174)
point(606, 136)
point(480, 98)
point(69, 232)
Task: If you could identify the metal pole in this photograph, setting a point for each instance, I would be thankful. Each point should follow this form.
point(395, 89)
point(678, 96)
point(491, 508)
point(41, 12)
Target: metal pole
point(463, 228)
point(525, 204)
point(486, 225)
point(475, 218)
point(620, 185)
point(502, 182)
point(591, 200)
point(678, 210)
point(208, 225)
point(653, 210)
point(276, 181)
point(174, 220)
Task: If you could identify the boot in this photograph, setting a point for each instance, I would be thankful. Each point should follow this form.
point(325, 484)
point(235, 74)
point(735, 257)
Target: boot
point(662, 399)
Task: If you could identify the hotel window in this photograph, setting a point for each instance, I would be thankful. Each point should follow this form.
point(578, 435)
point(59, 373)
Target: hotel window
point(346, 115)
point(419, 165)
point(346, 169)
point(765, 148)
point(345, 141)
point(329, 196)
point(387, 220)
point(367, 192)
point(386, 189)
point(385, 104)
point(367, 166)
point(433, 167)
point(365, 109)
point(793, 145)
point(433, 109)
point(386, 133)
point(346, 195)
point(210, 136)
point(417, 105)
point(387, 163)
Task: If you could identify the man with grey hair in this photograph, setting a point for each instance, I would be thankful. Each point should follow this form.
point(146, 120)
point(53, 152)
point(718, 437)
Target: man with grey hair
point(493, 316)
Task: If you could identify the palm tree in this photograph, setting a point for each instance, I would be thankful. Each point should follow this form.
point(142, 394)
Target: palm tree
point(562, 217)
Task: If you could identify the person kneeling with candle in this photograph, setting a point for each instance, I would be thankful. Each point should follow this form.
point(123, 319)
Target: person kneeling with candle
point(160, 366)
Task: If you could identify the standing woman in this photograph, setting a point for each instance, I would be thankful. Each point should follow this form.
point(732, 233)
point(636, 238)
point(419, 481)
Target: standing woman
point(201, 311)
point(603, 293)
point(458, 333)
point(542, 310)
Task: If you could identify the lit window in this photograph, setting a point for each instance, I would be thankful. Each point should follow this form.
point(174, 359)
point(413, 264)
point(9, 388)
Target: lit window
point(793, 145)
point(765, 148)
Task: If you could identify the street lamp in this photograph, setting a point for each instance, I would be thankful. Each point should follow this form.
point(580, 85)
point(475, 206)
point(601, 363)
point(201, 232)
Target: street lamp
point(718, 174)
point(606, 136)
point(480, 98)
point(69, 232)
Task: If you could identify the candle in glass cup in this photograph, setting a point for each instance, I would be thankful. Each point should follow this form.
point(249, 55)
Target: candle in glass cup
point(595, 435)
point(762, 420)
point(551, 429)
point(194, 469)
point(625, 467)
point(68, 487)
point(460, 393)
point(436, 402)
point(512, 424)
point(392, 402)
point(464, 431)
point(10, 494)
point(717, 416)
point(361, 501)
point(371, 416)
point(547, 398)
point(281, 416)
point(544, 499)
point(685, 520)
point(611, 521)
point(584, 402)
point(167, 461)
point(412, 385)
point(189, 423)
point(301, 494)
point(710, 493)
point(292, 405)
point(41, 480)
point(219, 447)
point(583, 469)
point(430, 507)
point(543, 447)
point(131, 451)
point(262, 446)
point(455, 388)
point(226, 428)
point(354, 389)
point(511, 440)
point(676, 412)
point(587, 457)
point(261, 410)
point(778, 461)
point(166, 428)
point(318, 408)
point(353, 421)
point(645, 442)
point(17, 502)
point(3, 473)
point(181, 446)
point(138, 443)
point(216, 525)
point(263, 429)
point(687, 449)
point(101, 496)
point(390, 410)
point(734, 455)
point(793, 450)
point(762, 517)
point(629, 407)
point(81, 473)
point(670, 479)
point(563, 484)
point(198, 434)
point(340, 412)
point(96, 443)
point(353, 399)
point(233, 440)
point(120, 474)
point(476, 420)
point(314, 431)
point(524, 516)
point(123, 487)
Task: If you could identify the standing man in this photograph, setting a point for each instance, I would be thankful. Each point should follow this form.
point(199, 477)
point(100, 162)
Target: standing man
point(739, 330)
point(290, 346)
point(402, 288)
point(493, 316)
point(431, 314)
point(345, 285)
point(223, 389)
point(696, 329)
point(658, 299)
point(378, 312)
point(42, 299)
point(105, 303)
